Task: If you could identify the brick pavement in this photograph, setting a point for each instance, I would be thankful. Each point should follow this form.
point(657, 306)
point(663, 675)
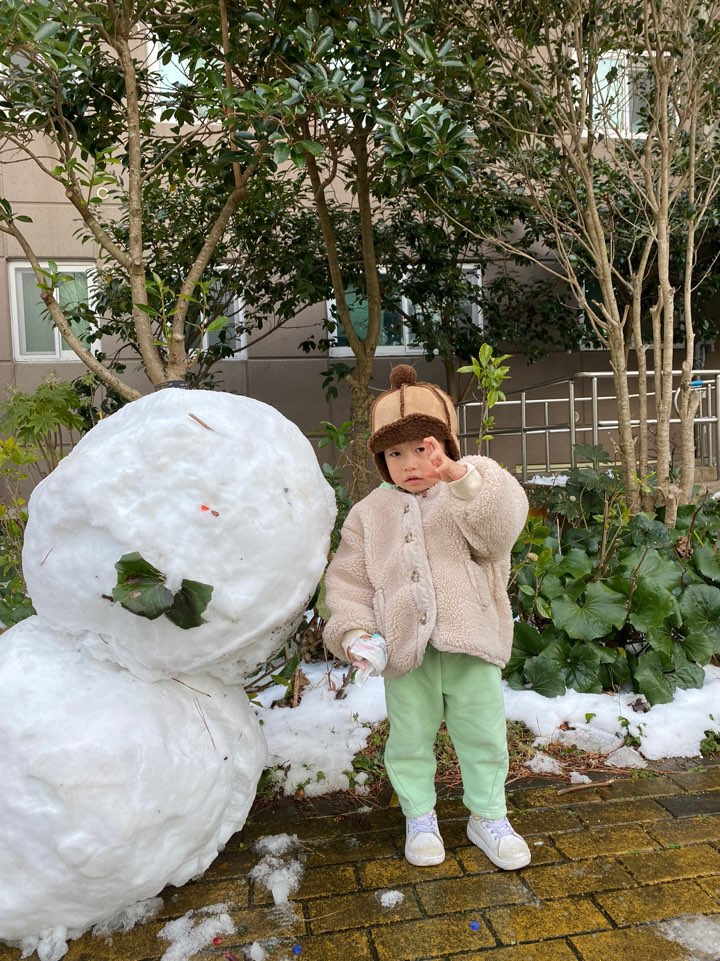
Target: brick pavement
point(610, 865)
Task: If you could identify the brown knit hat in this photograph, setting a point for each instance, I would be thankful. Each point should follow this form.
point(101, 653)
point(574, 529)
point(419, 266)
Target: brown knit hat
point(410, 411)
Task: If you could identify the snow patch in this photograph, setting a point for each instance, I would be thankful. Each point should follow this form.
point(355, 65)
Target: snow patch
point(390, 899)
point(50, 944)
point(577, 778)
point(194, 931)
point(125, 920)
point(698, 934)
point(277, 844)
point(280, 877)
point(542, 763)
point(625, 757)
point(551, 480)
point(599, 723)
point(313, 744)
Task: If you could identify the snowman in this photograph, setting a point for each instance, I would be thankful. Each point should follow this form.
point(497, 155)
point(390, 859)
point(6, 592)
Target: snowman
point(167, 557)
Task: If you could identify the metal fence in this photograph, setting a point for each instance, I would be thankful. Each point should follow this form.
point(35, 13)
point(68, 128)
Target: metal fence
point(583, 409)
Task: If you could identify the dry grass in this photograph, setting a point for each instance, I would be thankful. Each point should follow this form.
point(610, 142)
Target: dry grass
point(448, 779)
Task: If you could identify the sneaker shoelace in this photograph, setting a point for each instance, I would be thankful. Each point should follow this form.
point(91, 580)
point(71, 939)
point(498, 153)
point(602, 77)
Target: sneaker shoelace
point(499, 828)
point(425, 823)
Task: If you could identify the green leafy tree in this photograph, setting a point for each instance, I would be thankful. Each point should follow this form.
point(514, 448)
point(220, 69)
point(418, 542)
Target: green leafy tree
point(84, 102)
point(605, 118)
point(338, 83)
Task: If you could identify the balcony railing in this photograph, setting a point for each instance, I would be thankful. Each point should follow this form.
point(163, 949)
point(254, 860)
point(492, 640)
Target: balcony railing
point(558, 414)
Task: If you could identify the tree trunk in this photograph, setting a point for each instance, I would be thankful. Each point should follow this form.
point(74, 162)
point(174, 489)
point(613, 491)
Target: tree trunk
point(357, 451)
point(689, 399)
point(142, 322)
point(363, 350)
point(628, 462)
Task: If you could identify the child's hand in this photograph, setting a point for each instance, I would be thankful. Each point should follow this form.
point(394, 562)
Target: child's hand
point(440, 465)
point(359, 662)
point(369, 655)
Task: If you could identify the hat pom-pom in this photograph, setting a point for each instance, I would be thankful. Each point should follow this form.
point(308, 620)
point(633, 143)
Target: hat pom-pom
point(403, 376)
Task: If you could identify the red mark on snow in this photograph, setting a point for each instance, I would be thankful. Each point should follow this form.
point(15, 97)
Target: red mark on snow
point(204, 507)
point(217, 940)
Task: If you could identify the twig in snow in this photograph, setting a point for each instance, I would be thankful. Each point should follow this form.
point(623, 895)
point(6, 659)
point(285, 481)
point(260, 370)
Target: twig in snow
point(201, 422)
point(202, 715)
point(178, 681)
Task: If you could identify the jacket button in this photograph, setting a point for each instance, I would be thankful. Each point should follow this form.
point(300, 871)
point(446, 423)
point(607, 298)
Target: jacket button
point(423, 618)
point(408, 538)
point(406, 509)
point(415, 576)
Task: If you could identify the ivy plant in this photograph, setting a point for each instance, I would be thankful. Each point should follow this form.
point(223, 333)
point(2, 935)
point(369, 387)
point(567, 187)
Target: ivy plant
point(604, 597)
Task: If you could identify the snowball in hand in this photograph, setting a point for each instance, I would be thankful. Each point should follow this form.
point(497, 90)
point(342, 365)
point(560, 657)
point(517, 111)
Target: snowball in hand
point(206, 487)
point(112, 787)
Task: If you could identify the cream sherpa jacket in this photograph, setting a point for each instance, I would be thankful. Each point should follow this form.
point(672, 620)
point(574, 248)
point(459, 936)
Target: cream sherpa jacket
point(412, 567)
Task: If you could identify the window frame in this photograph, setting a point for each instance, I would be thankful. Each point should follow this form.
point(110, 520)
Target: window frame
point(623, 130)
point(408, 308)
point(242, 352)
point(153, 63)
point(61, 355)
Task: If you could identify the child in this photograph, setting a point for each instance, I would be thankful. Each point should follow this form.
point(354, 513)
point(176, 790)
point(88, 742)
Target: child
point(424, 561)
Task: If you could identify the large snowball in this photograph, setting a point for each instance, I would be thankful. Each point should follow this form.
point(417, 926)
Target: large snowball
point(206, 486)
point(112, 787)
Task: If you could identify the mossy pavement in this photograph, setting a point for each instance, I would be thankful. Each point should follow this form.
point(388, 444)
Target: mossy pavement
point(611, 864)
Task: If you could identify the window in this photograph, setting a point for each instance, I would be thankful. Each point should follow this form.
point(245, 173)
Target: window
point(170, 75)
point(620, 95)
point(172, 71)
point(396, 337)
point(232, 333)
point(35, 337)
point(468, 307)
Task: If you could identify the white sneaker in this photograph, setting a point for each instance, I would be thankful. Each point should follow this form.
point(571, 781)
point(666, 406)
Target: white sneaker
point(499, 841)
point(423, 844)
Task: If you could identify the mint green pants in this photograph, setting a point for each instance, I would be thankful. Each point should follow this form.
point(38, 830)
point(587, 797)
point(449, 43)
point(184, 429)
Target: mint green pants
point(467, 692)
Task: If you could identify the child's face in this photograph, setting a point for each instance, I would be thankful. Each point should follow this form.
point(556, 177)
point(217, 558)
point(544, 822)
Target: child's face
point(406, 464)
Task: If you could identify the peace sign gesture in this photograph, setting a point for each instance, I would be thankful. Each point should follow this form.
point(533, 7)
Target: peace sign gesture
point(439, 464)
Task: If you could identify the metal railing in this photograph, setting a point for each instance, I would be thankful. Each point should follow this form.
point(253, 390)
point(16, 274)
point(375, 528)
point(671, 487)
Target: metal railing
point(576, 414)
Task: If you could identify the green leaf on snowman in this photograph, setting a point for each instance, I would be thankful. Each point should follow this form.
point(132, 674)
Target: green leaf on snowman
point(141, 587)
point(189, 604)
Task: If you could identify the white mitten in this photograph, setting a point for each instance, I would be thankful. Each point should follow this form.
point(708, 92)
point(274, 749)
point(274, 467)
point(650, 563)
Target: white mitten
point(374, 651)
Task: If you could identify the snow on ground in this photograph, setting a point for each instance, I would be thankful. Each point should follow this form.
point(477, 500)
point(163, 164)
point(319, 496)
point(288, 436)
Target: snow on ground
point(314, 744)
point(138, 913)
point(194, 931)
point(390, 899)
point(699, 934)
point(600, 722)
point(276, 871)
point(550, 480)
point(542, 763)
